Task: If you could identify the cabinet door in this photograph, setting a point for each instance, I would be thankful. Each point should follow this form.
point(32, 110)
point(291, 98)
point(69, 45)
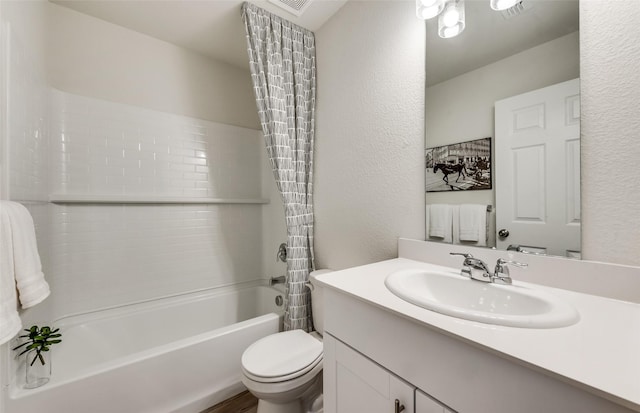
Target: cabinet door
point(425, 404)
point(355, 384)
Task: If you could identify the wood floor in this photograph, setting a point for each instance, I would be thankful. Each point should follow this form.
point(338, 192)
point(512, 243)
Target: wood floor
point(244, 402)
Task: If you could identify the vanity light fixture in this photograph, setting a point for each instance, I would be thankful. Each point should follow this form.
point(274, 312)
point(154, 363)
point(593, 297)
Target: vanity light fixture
point(451, 21)
point(427, 9)
point(499, 5)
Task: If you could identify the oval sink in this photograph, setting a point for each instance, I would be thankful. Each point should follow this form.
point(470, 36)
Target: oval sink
point(458, 296)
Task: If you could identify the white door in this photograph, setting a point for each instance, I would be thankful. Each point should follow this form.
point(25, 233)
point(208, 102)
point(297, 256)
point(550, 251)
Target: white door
point(355, 384)
point(537, 170)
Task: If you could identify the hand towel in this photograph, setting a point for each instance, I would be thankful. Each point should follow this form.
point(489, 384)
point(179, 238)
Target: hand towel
point(440, 222)
point(21, 267)
point(472, 224)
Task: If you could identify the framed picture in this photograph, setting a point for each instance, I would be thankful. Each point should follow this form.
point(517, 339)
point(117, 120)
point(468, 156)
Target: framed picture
point(464, 166)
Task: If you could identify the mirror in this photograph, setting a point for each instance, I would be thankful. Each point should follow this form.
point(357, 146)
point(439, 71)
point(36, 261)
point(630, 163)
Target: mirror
point(512, 76)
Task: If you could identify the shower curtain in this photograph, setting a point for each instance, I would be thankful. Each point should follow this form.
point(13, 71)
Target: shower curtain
point(283, 70)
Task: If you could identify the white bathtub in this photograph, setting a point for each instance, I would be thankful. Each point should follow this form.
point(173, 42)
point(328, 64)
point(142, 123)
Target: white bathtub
point(179, 354)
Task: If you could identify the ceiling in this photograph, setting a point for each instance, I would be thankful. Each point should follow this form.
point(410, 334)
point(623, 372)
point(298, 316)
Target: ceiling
point(489, 37)
point(214, 28)
point(210, 27)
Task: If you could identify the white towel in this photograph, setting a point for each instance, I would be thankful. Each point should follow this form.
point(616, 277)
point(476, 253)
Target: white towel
point(10, 323)
point(440, 222)
point(20, 267)
point(471, 224)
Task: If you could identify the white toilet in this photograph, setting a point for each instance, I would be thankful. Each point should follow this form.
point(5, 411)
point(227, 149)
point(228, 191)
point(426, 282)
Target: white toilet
point(284, 370)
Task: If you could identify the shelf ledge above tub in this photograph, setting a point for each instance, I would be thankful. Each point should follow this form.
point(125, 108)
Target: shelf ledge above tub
point(147, 199)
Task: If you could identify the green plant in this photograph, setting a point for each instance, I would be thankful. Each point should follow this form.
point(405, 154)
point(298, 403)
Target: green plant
point(39, 339)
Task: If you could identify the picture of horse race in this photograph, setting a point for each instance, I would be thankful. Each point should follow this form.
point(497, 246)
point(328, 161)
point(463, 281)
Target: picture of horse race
point(460, 166)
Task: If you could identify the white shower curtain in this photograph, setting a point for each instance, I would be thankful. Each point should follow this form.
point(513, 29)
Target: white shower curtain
point(283, 70)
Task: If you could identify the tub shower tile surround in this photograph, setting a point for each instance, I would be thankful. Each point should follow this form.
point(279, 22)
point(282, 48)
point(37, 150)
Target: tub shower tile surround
point(24, 167)
point(26, 142)
point(27, 126)
point(152, 250)
point(105, 148)
point(110, 148)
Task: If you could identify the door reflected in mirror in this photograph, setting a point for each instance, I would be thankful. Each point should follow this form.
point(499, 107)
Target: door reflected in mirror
point(512, 76)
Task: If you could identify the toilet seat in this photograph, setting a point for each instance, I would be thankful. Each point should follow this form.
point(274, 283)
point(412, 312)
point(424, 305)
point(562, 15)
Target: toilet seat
point(282, 357)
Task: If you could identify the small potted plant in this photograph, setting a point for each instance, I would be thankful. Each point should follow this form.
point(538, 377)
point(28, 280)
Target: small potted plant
point(38, 363)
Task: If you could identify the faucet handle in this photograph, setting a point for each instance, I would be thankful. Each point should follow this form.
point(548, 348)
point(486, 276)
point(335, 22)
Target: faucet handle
point(462, 254)
point(502, 262)
point(501, 266)
point(501, 273)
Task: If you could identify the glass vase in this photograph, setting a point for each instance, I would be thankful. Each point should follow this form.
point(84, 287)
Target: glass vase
point(37, 373)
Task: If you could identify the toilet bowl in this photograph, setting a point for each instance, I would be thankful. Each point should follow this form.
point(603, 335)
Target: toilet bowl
point(284, 370)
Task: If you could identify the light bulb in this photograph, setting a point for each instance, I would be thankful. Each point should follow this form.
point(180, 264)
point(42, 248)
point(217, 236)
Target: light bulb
point(452, 22)
point(502, 4)
point(451, 31)
point(450, 17)
point(427, 9)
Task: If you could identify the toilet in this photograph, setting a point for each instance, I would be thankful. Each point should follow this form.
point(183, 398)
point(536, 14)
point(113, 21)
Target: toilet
point(284, 370)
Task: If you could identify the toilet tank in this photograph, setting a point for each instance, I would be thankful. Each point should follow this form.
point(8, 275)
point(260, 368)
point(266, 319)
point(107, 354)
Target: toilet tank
point(316, 301)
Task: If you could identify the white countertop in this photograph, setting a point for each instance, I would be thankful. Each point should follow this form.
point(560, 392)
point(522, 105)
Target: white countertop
point(600, 353)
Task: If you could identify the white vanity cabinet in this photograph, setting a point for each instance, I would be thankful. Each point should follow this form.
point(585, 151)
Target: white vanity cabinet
point(425, 404)
point(357, 384)
point(377, 352)
point(354, 383)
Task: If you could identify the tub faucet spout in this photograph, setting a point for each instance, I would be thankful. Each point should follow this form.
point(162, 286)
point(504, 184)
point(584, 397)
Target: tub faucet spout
point(277, 280)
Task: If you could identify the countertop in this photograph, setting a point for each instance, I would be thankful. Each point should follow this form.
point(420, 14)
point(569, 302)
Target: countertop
point(600, 353)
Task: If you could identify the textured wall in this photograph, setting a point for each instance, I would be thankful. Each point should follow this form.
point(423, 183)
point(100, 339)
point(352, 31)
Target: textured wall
point(610, 87)
point(370, 135)
point(368, 172)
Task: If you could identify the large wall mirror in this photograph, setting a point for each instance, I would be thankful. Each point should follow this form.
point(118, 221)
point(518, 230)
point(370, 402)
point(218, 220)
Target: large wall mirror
point(503, 129)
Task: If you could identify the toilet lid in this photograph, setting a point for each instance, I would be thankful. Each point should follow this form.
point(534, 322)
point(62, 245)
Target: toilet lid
point(281, 354)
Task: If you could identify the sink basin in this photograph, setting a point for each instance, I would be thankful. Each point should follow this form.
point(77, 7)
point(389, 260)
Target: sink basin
point(452, 294)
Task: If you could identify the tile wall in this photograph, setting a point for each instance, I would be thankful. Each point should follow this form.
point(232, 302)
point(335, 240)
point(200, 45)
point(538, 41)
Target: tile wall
point(109, 148)
point(97, 256)
point(26, 143)
point(107, 255)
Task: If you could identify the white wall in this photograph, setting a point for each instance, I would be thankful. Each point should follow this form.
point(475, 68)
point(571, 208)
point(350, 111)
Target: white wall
point(610, 86)
point(471, 97)
point(91, 57)
point(369, 175)
point(370, 133)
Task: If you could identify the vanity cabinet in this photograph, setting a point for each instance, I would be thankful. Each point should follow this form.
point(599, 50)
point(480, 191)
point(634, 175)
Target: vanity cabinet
point(425, 404)
point(354, 383)
point(374, 354)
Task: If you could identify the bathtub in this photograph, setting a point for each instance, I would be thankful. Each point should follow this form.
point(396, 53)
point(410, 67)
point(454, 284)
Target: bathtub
point(178, 354)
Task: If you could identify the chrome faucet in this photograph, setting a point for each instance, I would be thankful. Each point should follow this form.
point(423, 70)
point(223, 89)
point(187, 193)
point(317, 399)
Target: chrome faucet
point(501, 274)
point(476, 269)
